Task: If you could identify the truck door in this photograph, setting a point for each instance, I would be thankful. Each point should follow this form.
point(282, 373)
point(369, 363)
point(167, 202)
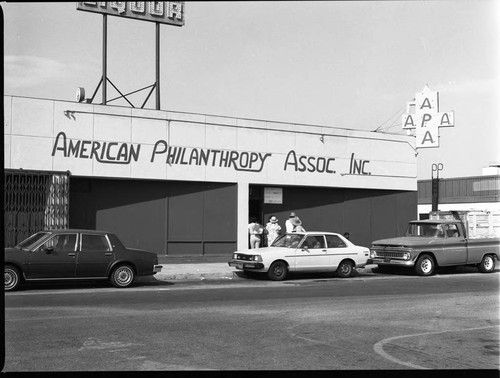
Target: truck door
point(454, 246)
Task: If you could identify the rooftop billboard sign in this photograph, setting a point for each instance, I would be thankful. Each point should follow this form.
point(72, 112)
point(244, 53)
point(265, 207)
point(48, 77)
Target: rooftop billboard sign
point(164, 12)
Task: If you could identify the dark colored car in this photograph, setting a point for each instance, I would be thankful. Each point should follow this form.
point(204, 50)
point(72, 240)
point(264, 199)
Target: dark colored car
point(76, 255)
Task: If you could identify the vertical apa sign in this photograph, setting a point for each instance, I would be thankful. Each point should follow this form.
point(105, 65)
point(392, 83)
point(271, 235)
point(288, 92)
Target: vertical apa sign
point(426, 118)
point(163, 12)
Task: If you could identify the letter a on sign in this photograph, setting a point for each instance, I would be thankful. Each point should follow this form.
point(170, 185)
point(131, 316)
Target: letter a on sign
point(427, 133)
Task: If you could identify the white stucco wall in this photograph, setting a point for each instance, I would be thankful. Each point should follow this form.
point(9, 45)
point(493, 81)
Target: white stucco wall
point(98, 141)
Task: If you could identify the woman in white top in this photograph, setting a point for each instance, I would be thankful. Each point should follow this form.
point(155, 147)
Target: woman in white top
point(273, 229)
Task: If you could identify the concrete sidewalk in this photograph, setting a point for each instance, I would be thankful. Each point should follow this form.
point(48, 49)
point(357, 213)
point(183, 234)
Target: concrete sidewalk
point(196, 272)
point(200, 271)
point(195, 268)
point(215, 268)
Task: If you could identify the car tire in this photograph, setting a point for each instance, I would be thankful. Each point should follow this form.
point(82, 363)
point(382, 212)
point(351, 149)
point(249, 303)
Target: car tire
point(122, 276)
point(487, 264)
point(12, 278)
point(345, 269)
point(425, 265)
point(277, 271)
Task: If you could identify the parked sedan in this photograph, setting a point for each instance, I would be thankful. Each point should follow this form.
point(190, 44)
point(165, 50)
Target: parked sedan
point(76, 255)
point(303, 252)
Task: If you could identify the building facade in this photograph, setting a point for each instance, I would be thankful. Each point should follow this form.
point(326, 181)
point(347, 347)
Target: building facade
point(461, 193)
point(186, 184)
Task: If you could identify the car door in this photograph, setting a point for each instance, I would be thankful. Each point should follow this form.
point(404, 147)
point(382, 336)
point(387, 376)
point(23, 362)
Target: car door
point(95, 256)
point(454, 246)
point(337, 250)
point(55, 258)
point(312, 254)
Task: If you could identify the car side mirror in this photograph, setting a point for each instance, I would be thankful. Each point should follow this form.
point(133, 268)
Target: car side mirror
point(49, 250)
point(305, 247)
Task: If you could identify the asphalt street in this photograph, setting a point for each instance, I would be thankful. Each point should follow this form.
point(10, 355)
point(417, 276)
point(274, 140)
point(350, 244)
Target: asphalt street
point(369, 322)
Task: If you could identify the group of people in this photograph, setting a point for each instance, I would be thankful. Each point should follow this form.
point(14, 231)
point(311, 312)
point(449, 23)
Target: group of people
point(272, 229)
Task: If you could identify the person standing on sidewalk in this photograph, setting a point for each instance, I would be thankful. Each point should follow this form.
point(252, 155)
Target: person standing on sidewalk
point(288, 224)
point(297, 225)
point(255, 230)
point(273, 229)
point(294, 224)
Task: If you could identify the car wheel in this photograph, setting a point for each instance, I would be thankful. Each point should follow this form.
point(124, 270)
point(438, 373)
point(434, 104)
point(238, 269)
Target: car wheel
point(278, 271)
point(425, 265)
point(122, 276)
point(487, 264)
point(345, 269)
point(12, 278)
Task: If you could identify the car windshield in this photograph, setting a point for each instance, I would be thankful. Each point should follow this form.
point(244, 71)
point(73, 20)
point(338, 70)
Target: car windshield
point(425, 229)
point(288, 241)
point(33, 239)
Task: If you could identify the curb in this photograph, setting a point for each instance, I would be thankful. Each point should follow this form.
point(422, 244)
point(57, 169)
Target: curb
point(214, 272)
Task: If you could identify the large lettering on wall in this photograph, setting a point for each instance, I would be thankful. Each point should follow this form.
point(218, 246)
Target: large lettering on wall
point(240, 161)
point(246, 161)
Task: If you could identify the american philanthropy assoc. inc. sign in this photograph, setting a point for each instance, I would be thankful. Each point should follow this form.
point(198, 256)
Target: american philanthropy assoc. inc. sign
point(426, 118)
point(127, 153)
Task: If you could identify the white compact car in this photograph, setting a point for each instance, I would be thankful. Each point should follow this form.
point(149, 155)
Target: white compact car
point(303, 252)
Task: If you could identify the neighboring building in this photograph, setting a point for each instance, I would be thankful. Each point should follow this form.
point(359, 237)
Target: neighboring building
point(493, 169)
point(462, 193)
point(186, 184)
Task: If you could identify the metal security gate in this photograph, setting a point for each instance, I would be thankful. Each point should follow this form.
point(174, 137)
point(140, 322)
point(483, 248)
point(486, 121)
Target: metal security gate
point(34, 200)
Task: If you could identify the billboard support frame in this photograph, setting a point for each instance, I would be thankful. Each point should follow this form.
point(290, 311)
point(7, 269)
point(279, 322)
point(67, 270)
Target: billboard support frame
point(175, 16)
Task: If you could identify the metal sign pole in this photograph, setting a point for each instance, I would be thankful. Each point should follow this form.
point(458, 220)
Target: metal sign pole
point(157, 66)
point(435, 186)
point(104, 56)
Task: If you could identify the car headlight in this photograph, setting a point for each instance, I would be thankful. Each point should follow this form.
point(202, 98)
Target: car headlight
point(257, 258)
point(235, 256)
point(373, 254)
point(406, 256)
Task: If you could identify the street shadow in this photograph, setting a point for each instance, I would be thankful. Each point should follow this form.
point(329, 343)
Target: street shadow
point(443, 271)
point(391, 271)
point(147, 281)
point(292, 275)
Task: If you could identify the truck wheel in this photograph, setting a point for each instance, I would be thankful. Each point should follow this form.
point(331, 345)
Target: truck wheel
point(487, 264)
point(278, 271)
point(425, 265)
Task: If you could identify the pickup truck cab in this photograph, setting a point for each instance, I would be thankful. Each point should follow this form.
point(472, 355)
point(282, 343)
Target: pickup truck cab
point(436, 242)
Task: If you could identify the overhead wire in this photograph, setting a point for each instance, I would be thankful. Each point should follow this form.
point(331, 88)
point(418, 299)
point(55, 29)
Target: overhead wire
point(381, 128)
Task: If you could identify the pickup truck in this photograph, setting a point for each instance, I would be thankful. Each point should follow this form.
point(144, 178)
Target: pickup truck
point(441, 241)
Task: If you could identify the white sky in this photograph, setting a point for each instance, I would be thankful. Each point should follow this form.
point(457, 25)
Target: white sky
point(349, 64)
